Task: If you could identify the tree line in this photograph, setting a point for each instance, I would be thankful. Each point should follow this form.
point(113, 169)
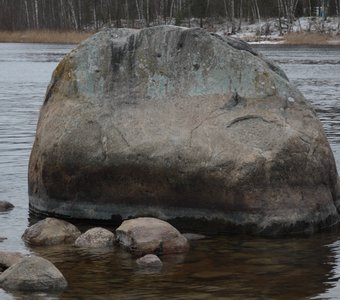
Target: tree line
point(94, 14)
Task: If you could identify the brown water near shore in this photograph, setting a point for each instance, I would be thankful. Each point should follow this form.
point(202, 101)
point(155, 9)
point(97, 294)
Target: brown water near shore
point(234, 267)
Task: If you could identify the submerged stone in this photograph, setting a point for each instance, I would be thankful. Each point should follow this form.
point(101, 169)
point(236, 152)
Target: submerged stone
point(51, 231)
point(150, 235)
point(180, 124)
point(5, 206)
point(95, 238)
point(149, 261)
point(8, 259)
point(32, 274)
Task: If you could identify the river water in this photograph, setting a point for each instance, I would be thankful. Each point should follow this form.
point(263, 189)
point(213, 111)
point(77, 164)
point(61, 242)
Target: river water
point(222, 267)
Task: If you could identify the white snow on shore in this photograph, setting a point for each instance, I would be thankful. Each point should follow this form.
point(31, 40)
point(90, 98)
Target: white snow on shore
point(268, 32)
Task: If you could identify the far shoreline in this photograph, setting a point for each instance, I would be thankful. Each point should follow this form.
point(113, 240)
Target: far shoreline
point(76, 37)
point(44, 36)
point(296, 38)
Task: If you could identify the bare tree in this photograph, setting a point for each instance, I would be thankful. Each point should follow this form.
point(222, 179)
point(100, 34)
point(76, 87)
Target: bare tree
point(337, 7)
point(138, 12)
point(240, 15)
point(127, 13)
point(171, 9)
point(225, 8)
point(147, 13)
point(280, 11)
point(27, 15)
point(84, 14)
point(291, 12)
point(232, 16)
point(257, 10)
point(289, 8)
point(36, 14)
point(80, 19)
point(73, 14)
point(142, 10)
point(94, 11)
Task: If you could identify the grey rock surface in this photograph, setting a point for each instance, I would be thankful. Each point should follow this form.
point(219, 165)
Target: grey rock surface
point(51, 231)
point(32, 274)
point(96, 238)
point(337, 193)
point(8, 258)
point(150, 235)
point(181, 124)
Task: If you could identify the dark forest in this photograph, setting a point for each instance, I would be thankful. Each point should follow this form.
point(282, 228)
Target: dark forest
point(90, 15)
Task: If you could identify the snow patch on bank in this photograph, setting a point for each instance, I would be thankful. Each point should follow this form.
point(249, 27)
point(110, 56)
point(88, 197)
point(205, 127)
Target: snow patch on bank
point(268, 31)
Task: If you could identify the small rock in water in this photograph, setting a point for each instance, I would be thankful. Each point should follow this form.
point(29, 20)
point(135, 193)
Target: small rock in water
point(194, 236)
point(2, 238)
point(96, 238)
point(5, 206)
point(151, 235)
point(149, 261)
point(32, 274)
point(51, 231)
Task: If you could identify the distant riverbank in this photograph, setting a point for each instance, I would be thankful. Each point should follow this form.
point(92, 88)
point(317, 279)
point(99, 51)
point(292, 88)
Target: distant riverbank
point(294, 38)
point(43, 36)
point(74, 37)
point(311, 38)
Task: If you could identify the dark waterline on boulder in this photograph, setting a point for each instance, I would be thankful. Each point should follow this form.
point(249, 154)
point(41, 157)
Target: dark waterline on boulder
point(241, 267)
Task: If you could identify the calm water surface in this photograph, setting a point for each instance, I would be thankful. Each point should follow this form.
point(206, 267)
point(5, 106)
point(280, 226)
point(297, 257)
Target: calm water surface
point(232, 267)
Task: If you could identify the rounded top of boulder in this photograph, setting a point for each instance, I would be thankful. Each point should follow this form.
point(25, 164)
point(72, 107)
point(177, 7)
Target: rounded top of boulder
point(174, 122)
point(166, 61)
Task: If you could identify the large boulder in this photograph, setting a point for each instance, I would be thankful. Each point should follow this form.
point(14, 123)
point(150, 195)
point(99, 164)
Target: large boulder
point(180, 124)
point(150, 235)
point(51, 231)
point(32, 274)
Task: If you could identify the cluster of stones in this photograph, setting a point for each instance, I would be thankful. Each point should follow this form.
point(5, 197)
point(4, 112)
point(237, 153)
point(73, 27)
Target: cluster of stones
point(145, 237)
